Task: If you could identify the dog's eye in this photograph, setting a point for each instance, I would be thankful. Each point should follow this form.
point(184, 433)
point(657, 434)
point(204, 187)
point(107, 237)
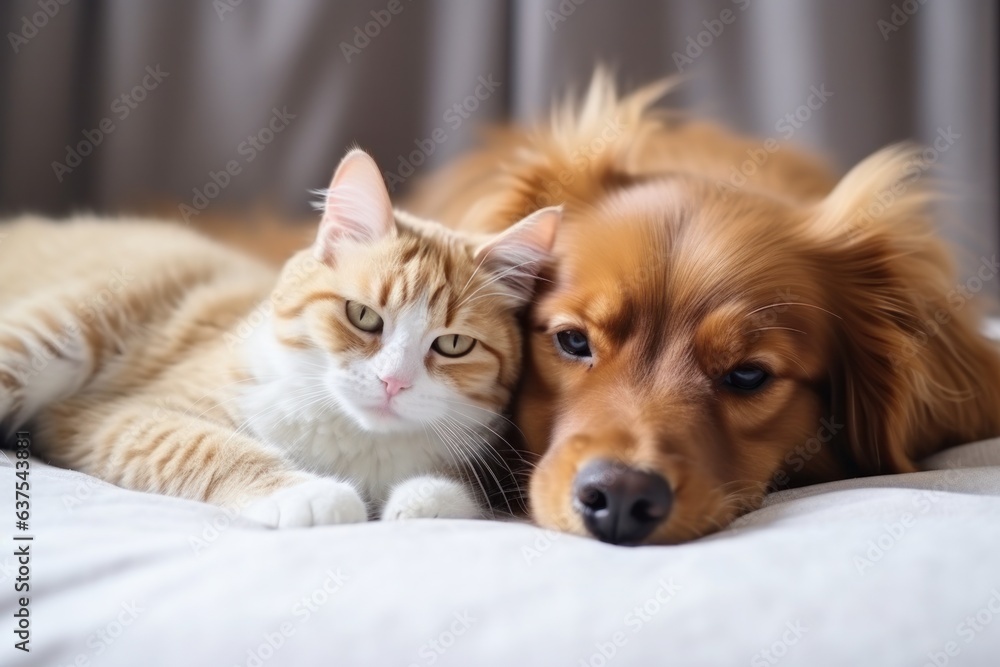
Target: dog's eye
point(746, 378)
point(574, 343)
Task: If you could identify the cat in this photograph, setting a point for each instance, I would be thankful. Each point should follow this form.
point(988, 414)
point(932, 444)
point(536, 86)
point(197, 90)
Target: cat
point(363, 381)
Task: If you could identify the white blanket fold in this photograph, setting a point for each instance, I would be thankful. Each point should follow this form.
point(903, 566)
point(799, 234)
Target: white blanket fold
point(899, 570)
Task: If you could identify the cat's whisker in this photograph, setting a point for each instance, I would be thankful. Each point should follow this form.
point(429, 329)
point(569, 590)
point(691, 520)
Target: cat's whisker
point(506, 442)
point(475, 271)
point(485, 451)
point(486, 410)
point(471, 452)
point(516, 451)
point(515, 297)
point(456, 455)
point(480, 454)
point(498, 276)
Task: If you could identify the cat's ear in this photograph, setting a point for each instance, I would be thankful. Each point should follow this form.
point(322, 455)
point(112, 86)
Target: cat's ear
point(517, 255)
point(356, 207)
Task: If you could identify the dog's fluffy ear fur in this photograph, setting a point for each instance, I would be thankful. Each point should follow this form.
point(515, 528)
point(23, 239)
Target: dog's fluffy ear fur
point(915, 371)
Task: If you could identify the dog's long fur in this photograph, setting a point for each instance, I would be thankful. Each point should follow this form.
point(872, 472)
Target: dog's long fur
point(678, 272)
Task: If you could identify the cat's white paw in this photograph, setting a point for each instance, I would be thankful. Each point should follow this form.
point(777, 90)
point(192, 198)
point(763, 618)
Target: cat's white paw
point(430, 498)
point(317, 502)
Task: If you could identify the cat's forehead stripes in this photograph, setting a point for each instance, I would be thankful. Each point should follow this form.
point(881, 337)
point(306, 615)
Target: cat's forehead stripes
point(410, 251)
point(435, 296)
point(428, 268)
point(383, 296)
point(451, 310)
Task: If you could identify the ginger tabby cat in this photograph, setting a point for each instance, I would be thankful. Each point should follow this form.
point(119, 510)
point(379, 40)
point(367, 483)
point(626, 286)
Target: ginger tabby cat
point(363, 380)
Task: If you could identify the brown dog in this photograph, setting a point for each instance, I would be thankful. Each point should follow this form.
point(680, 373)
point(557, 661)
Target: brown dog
point(704, 340)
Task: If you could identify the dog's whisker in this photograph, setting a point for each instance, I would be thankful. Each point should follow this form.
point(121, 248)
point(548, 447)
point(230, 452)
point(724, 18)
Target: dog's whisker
point(778, 329)
point(794, 303)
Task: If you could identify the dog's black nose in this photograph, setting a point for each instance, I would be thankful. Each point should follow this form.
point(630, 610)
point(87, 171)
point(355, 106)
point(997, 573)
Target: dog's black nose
point(619, 504)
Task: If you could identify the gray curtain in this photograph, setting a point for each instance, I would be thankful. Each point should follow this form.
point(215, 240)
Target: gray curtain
point(313, 77)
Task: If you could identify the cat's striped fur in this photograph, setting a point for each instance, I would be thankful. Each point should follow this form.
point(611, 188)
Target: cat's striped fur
point(155, 359)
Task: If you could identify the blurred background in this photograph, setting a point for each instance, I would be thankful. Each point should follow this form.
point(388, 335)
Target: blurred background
point(232, 110)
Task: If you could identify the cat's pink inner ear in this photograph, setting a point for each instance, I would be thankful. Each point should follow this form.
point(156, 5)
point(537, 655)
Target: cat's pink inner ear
point(517, 255)
point(357, 206)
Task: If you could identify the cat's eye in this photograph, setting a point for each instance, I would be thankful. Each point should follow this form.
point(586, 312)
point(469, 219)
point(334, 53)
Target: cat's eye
point(574, 343)
point(746, 378)
point(453, 345)
point(363, 317)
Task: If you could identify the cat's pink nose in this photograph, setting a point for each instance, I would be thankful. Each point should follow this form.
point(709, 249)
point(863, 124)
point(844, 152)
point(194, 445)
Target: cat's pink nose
point(394, 385)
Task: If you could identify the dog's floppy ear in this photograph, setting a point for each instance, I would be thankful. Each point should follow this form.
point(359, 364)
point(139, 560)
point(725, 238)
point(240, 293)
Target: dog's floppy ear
point(914, 370)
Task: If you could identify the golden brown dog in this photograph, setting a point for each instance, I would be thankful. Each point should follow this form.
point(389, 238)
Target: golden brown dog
point(704, 340)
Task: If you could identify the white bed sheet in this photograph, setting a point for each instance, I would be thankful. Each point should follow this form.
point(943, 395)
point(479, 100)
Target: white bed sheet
point(900, 570)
